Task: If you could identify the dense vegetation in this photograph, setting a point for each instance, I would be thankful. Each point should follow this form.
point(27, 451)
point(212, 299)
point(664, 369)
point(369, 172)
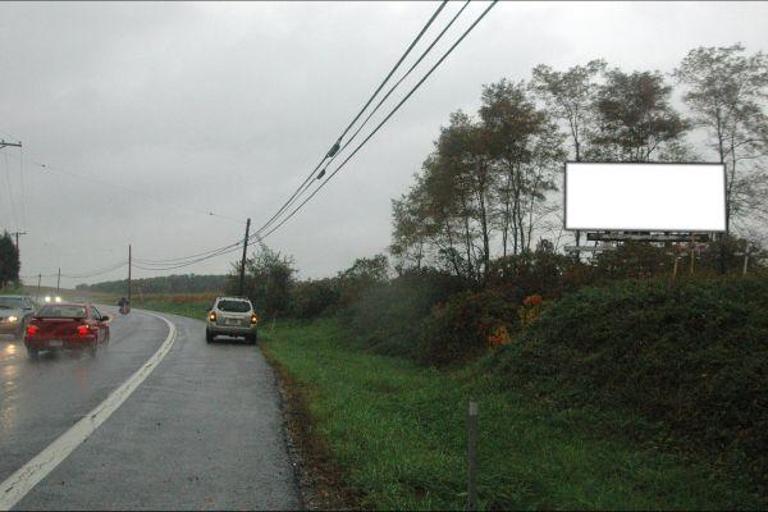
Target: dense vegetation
point(397, 431)
point(690, 357)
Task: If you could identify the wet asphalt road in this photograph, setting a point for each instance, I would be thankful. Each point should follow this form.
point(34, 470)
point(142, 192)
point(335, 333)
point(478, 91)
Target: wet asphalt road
point(203, 431)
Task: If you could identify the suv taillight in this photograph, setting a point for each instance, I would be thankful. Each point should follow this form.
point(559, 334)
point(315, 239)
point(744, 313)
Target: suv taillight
point(83, 330)
point(32, 330)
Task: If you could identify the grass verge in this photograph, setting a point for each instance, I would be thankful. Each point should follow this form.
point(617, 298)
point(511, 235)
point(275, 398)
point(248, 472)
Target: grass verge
point(396, 435)
point(189, 305)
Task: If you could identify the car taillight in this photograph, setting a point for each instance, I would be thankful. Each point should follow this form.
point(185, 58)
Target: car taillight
point(83, 330)
point(32, 330)
point(254, 318)
point(212, 317)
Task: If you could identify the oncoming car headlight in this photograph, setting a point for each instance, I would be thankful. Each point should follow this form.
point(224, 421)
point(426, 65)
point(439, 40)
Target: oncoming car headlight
point(57, 299)
point(47, 298)
point(12, 318)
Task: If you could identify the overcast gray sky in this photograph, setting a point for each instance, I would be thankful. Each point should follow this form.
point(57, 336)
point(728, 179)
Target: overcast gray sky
point(188, 108)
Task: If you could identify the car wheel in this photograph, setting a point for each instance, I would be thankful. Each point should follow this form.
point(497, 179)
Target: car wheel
point(209, 336)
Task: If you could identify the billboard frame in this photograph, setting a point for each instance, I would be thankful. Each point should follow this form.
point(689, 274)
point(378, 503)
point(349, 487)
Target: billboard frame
point(646, 230)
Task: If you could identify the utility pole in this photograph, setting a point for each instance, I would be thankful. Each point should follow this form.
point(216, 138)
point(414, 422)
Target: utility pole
point(129, 274)
point(242, 262)
point(39, 280)
point(17, 234)
point(58, 282)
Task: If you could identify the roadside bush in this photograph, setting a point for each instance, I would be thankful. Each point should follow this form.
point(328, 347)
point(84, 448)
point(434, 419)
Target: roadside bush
point(692, 356)
point(386, 317)
point(312, 298)
point(542, 272)
point(466, 325)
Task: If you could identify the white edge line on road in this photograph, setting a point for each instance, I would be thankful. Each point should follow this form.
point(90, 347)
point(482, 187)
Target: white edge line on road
point(15, 487)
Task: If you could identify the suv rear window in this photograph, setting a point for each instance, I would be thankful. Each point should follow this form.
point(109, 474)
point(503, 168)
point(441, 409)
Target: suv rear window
point(234, 306)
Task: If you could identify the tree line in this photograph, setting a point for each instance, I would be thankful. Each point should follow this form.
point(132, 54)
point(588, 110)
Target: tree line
point(489, 187)
point(181, 283)
point(9, 261)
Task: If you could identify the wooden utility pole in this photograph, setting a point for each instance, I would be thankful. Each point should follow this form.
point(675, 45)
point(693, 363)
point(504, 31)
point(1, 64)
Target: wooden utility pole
point(39, 280)
point(129, 274)
point(17, 234)
point(242, 262)
point(58, 282)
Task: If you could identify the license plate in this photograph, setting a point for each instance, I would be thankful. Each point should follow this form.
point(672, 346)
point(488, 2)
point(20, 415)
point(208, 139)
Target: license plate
point(233, 321)
point(55, 343)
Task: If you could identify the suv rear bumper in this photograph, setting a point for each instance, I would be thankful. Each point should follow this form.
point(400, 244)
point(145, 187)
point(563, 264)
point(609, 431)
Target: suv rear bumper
point(232, 330)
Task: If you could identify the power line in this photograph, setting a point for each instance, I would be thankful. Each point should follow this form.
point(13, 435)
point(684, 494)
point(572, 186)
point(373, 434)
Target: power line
point(175, 263)
point(257, 235)
point(392, 112)
point(335, 148)
point(82, 275)
point(11, 204)
point(23, 191)
point(140, 193)
point(391, 90)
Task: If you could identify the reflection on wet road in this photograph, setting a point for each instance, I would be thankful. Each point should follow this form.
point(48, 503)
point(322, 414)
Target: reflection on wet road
point(40, 399)
point(203, 431)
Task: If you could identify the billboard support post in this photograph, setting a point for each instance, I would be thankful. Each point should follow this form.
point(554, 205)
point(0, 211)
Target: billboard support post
point(693, 255)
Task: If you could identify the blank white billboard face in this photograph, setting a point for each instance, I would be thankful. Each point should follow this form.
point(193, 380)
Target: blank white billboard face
point(644, 197)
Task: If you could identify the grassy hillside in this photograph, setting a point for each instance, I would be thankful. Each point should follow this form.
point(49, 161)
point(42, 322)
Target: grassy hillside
point(691, 359)
point(397, 431)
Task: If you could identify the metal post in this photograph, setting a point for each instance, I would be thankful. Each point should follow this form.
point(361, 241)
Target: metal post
point(472, 456)
point(58, 282)
point(242, 262)
point(746, 263)
point(39, 280)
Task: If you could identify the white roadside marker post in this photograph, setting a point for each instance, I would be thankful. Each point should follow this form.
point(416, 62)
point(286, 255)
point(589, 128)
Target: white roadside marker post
point(472, 456)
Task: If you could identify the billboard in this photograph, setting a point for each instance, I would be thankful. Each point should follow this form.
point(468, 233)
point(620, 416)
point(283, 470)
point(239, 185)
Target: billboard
point(688, 197)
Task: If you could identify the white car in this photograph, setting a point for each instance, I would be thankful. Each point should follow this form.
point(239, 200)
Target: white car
point(15, 312)
point(232, 316)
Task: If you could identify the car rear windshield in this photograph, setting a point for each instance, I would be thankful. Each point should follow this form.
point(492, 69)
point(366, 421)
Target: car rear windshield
point(234, 306)
point(10, 302)
point(62, 312)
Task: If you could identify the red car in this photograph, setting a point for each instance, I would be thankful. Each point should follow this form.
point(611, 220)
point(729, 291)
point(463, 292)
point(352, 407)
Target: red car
point(66, 326)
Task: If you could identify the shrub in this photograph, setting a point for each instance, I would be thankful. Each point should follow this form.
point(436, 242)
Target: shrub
point(386, 317)
point(693, 356)
point(310, 299)
point(466, 325)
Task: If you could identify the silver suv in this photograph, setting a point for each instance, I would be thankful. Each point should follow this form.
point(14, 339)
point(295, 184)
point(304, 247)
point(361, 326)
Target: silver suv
point(15, 312)
point(232, 316)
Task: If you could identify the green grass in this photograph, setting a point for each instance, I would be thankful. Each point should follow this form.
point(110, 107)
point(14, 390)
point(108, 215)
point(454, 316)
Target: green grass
point(398, 432)
point(189, 305)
